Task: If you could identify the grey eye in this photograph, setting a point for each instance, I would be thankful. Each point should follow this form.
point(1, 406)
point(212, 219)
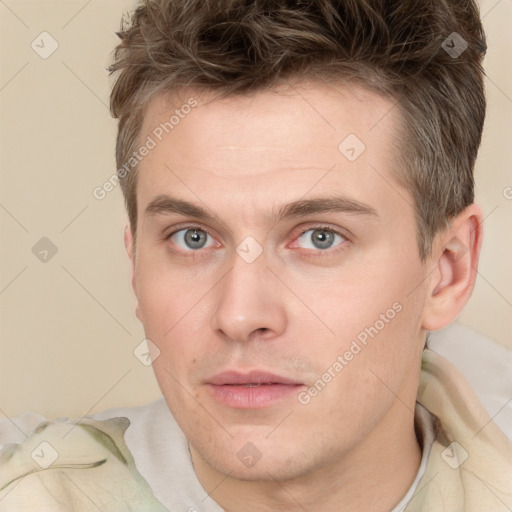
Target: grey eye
point(320, 238)
point(195, 239)
point(192, 239)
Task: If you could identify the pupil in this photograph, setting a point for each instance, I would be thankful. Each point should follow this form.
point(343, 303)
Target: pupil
point(322, 238)
point(195, 239)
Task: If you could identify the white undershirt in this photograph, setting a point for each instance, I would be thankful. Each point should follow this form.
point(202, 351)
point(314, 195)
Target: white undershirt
point(425, 431)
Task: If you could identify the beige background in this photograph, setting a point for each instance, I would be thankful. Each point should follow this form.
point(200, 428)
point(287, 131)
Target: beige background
point(68, 328)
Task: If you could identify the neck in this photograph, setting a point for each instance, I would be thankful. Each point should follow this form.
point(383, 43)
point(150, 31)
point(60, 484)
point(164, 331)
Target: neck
point(373, 475)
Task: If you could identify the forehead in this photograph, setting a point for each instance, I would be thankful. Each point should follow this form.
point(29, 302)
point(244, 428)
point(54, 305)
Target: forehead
point(279, 121)
point(273, 144)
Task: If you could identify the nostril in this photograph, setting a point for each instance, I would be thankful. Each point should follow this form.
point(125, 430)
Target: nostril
point(260, 332)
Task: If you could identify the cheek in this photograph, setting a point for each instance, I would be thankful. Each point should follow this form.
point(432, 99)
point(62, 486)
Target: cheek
point(165, 294)
point(363, 373)
point(350, 302)
point(162, 311)
point(374, 317)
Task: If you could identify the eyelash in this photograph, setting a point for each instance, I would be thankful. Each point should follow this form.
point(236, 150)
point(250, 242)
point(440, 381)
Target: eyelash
point(326, 252)
point(317, 253)
point(188, 254)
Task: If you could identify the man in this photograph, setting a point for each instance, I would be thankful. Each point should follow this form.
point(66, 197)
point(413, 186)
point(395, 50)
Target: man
point(299, 183)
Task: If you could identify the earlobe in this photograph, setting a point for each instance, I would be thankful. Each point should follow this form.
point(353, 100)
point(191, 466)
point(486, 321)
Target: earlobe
point(456, 253)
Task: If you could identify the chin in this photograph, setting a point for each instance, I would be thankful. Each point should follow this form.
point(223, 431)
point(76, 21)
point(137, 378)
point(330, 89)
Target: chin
point(258, 459)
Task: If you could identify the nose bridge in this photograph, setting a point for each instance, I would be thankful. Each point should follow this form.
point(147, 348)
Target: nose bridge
point(248, 299)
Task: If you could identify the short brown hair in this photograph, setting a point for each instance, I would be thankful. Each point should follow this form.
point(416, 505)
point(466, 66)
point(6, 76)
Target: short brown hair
point(426, 56)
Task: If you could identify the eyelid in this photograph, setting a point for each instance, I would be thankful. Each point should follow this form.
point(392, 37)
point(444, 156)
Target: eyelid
point(178, 228)
point(322, 226)
point(319, 226)
point(192, 254)
point(299, 231)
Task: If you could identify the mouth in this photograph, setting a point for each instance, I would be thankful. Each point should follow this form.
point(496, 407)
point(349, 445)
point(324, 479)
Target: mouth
point(252, 385)
point(252, 390)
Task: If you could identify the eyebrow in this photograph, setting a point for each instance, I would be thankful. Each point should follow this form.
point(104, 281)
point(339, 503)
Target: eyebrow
point(334, 204)
point(164, 204)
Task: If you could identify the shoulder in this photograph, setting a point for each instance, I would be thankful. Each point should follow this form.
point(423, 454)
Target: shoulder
point(487, 366)
point(470, 465)
point(151, 438)
point(16, 430)
point(63, 465)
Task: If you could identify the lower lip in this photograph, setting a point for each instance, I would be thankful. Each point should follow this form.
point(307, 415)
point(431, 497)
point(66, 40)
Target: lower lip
point(255, 397)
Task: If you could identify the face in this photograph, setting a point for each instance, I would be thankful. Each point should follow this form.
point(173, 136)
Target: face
point(277, 271)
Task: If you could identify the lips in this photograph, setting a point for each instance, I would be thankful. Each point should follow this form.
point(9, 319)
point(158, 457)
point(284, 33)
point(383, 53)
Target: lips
point(255, 378)
point(252, 390)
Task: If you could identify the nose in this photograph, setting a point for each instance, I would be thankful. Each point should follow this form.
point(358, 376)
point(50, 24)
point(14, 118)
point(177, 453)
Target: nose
point(250, 303)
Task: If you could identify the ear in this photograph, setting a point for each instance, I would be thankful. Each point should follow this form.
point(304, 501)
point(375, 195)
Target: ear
point(129, 244)
point(455, 255)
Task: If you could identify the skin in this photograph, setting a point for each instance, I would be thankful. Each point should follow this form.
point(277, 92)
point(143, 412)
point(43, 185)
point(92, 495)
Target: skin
point(296, 308)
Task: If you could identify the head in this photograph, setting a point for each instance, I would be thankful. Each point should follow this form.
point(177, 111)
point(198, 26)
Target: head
point(302, 207)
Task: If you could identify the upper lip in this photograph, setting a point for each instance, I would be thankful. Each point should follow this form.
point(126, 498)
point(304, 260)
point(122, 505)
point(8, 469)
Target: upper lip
point(235, 378)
